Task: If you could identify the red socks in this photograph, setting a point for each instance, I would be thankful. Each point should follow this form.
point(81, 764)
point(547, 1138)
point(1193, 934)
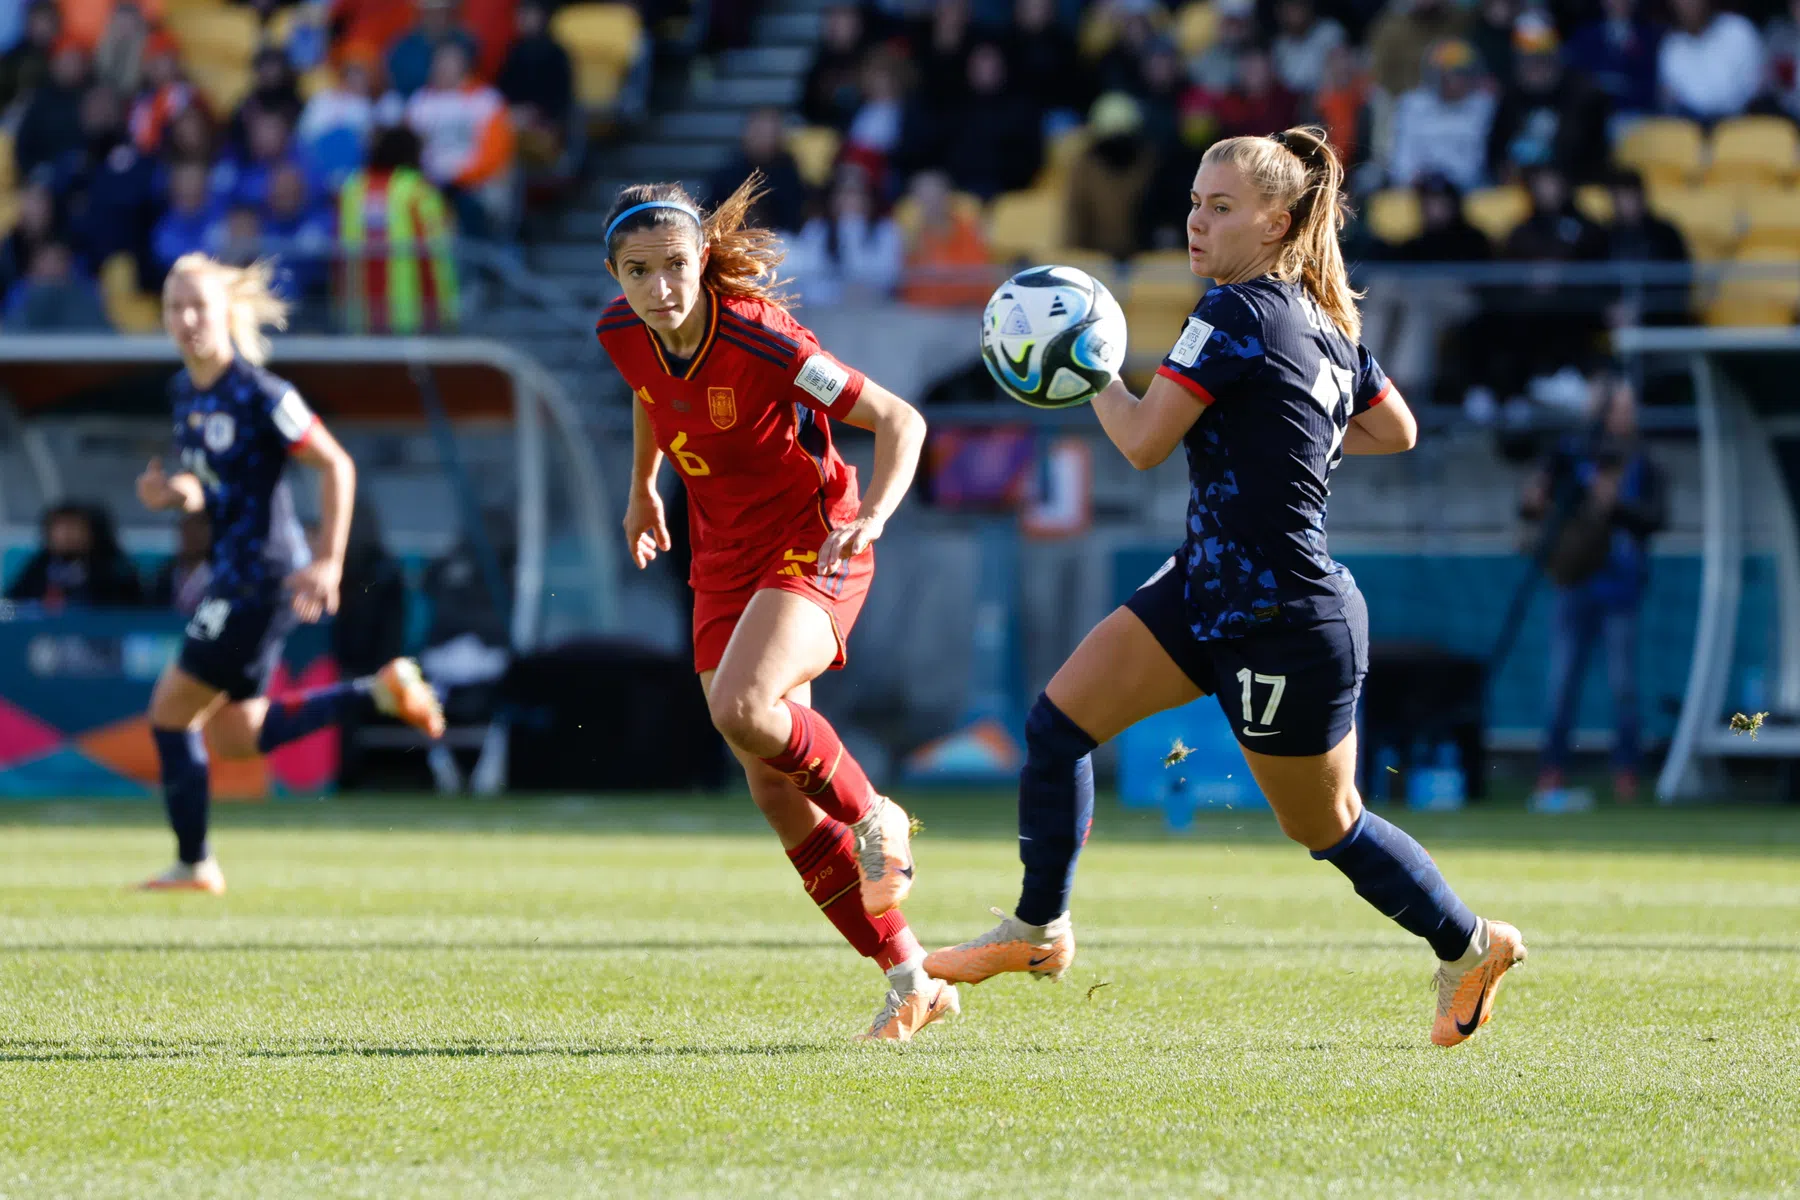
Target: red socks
point(826, 861)
point(822, 769)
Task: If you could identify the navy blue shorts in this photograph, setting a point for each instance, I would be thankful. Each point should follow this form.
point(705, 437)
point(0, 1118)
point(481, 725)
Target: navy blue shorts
point(1288, 690)
point(233, 645)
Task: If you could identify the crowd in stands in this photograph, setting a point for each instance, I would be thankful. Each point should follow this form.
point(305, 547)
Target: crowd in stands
point(135, 131)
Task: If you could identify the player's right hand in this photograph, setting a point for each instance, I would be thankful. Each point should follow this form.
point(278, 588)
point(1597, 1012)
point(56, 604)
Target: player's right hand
point(153, 488)
point(646, 528)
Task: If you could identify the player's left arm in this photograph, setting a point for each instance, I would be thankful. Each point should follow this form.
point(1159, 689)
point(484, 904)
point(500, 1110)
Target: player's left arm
point(899, 431)
point(1147, 431)
point(313, 589)
point(1380, 421)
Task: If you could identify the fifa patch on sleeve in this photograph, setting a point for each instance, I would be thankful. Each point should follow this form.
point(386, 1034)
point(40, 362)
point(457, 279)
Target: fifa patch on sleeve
point(822, 379)
point(1192, 341)
point(291, 416)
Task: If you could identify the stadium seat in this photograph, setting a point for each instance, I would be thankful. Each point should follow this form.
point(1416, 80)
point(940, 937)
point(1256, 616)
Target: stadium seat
point(1754, 150)
point(1195, 27)
point(218, 35)
point(223, 83)
point(1059, 155)
point(1595, 203)
point(1763, 299)
point(9, 211)
point(1771, 219)
point(906, 211)
point(1394, 216)
point(815, 149)
point(1662, 150)
point(1159, 295)
point(1497, 211)
point(130, 310)
point(1709, 218)
point(604, 40)
point(1026, 225)
point(1099, 265)
point(7, 162)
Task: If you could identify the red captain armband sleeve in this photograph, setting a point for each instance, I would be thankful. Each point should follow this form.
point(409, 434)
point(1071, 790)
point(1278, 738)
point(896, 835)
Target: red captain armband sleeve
point(1387, 389)
point(1192, 388)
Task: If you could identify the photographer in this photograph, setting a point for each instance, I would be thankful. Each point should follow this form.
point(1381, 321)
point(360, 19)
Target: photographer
point(1601, 499)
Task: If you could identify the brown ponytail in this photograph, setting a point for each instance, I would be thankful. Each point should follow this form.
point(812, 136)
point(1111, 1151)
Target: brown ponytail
point(742, 258)
point(1298, 170)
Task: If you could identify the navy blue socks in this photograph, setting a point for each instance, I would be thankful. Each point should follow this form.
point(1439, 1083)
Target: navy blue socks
point(1393, 872)
point(186, 788)
point(308, 712)
point(1056, 810)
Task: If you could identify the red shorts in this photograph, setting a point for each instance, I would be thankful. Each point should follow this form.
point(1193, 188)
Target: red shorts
point(841, 595)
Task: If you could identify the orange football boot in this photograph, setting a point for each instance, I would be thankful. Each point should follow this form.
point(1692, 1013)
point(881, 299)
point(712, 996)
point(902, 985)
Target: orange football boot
point(401, 691)
point(903, 1015)
point(203, 876)
point(884, 856)
point(1044, 951)
point(1467, 987)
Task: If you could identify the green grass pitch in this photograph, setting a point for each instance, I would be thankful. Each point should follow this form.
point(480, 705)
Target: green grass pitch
point(635, 998)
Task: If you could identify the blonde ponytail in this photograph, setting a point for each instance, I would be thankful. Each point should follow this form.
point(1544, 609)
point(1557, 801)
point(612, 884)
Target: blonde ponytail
point(250, 295)
point(1297, 169)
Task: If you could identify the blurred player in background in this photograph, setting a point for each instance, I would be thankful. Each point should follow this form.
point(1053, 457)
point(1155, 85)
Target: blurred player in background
point(236, 427)
point(741, 397)
point(1267, 388)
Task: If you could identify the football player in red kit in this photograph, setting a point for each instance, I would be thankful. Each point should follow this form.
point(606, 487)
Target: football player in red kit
point(741, 396)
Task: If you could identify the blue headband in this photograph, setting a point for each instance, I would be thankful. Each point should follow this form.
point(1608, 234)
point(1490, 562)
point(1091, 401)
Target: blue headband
point(677, 205)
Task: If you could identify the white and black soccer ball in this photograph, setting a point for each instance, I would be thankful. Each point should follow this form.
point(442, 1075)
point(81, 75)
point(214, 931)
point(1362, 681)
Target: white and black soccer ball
point(1052, 337)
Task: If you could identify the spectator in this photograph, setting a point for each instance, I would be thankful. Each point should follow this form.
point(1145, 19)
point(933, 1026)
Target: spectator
point(849, 253)
point(996, 144)
point(1446, 235)
point(274, 91)
point(1258, 104)
point(1442, 125)
point(242, 176)
point(113, 189)
point(1107, 183)
point(763, 147)
point(119, 57)
point(50, 128)
point(1340, 103)
point(236, 239)
point(1302, 46)
point(413, 59)
point(469, 144)
point(832, 92)
point(1618, 54)
point(1401, 37)
point(1163, 87)
point(334, 129)
point(1546, 115)
point(85, 21)
point(874, 136)
point(1601, 499)
point(399, 270)
point(1783, 43)
point(1638, 235)
point(181, 583)
point(37, 225)
point(539, 83)
point(80, 564)
point(941, 49)
point(1547, 326)
point(1042, 53)
point(1710, 66)
point(1121, 68)
point(182, 229)
point(1215, 70)
point(1493, 34)
point(12, 26)
point(26, 65)
point(190, 138)
point(947, 256)
point(301, 230)
point(166, 95)
point(369, 25)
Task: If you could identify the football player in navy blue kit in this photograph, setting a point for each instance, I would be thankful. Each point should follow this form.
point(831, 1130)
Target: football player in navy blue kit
point(1267, 388)
point(235, 428)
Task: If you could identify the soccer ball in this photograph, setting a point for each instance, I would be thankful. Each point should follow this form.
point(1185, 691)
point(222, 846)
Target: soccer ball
point(1052, 337)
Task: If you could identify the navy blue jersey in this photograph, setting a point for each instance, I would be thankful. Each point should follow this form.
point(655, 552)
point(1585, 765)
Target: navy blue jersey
point(1280, 383)
point(235, 437)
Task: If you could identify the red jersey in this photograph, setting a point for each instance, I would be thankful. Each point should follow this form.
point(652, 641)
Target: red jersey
point(747, 423)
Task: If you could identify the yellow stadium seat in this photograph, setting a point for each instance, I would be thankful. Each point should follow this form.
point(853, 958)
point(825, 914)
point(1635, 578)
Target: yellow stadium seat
point(1710, 218)
point(1059, 156)
point(7, 162)
point(1782, 287)
point(906, 211)
point(815, 151)
point(1738, 314)
point(1754, 150)
point(1099, 265)
point(1497, 211)
point(129, 310)
point(1394, 215)
point(1195, 27)
point(1026, 225)
point(1662, 150)
point(223, 83)
point(609, 33)
point(1159, 295)
point(1771, 218)
point(1595, 203)
point(215, 34)
point(9, 212)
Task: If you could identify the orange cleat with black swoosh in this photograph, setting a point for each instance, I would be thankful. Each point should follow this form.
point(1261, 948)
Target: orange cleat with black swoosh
point(1467, 987)
point(1044, 951)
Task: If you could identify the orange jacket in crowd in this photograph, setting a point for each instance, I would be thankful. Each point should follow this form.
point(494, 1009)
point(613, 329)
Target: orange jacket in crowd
point(381, 23)
point(948, 268)
point(467, 133)
point(83, 21)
